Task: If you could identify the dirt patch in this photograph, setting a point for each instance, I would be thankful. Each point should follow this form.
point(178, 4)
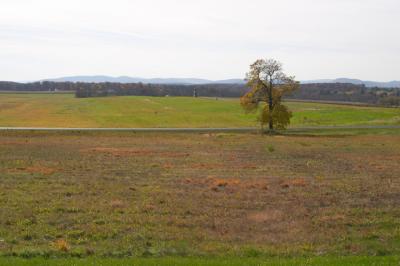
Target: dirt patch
point(336, 218)
point(266, 216)
point(117, 204)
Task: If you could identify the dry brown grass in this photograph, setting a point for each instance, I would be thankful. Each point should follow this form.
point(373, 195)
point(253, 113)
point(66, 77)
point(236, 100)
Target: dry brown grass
point(36, 169)
point(215, 194)
point(61, 245)
point(115, 204)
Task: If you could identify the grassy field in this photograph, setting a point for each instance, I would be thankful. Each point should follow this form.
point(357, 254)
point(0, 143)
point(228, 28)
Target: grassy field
point(63, 110)
point(326, 261)
point(180, 195)
point(325, 197)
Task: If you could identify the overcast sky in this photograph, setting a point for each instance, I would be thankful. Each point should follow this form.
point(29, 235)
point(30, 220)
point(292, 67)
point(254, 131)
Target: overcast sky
point(215, 39)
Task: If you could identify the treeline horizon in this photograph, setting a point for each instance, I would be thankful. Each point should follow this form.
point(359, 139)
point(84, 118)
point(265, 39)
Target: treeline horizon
point(319, 91)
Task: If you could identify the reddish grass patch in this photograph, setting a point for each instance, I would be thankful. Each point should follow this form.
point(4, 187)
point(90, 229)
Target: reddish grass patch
point(125, 152)
point(119, 151)
point(35, 170)
point(61, 245)
point(13, 142)
point(249, 166)
point(297, 182)
point(207, 166)
point(218, 184)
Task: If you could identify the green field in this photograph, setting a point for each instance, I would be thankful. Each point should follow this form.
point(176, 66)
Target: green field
point(64, 110)
point(317, 261)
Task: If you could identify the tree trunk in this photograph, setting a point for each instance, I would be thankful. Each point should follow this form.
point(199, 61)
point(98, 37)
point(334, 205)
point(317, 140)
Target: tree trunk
point(271, 124)
point(270, 107)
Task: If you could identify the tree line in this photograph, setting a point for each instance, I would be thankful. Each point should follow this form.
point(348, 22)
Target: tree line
point(162, 90)
point(323, 91)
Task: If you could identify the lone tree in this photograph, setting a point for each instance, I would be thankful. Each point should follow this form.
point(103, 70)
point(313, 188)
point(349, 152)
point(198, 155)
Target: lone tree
point(268, 84)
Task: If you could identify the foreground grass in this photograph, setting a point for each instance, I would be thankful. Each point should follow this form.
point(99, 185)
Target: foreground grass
point(338, 132)
point(231, 195)
point(63, 110)
point(326, 261)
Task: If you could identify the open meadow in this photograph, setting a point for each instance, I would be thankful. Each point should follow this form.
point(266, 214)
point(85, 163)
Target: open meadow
point(200, 195)
point(64, 110)
point(307, 197)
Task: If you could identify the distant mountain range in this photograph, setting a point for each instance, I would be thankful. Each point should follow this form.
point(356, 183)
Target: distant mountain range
point(126, 79)
point(191, 81)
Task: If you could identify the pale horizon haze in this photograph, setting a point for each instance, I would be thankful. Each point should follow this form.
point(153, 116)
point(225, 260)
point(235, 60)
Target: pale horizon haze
point(317, 39)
